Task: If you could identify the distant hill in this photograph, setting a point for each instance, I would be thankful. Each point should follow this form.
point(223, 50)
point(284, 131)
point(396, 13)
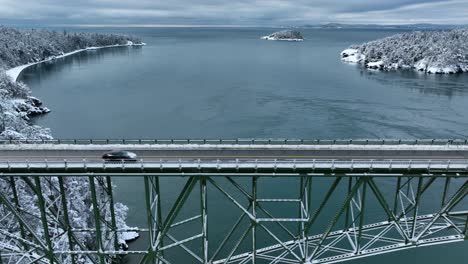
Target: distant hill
point(376, 26)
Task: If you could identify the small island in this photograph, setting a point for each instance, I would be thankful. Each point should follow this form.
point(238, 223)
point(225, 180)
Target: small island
point(285, 35)
point(434, 52)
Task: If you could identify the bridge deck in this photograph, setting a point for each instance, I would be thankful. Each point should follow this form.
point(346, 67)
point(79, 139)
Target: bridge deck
point(226, 158)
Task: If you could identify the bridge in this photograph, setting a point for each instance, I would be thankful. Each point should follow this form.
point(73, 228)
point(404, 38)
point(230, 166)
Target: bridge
point(231, 201)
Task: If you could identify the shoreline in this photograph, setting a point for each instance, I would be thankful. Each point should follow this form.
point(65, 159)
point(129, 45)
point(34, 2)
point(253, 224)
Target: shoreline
point(15, 72)
point(279, 39)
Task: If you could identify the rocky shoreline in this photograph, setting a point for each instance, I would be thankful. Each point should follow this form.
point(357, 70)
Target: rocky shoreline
point(30, 106)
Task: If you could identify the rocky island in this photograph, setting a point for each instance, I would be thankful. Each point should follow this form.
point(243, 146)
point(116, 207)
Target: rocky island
point(438, 52)
point(285, 35)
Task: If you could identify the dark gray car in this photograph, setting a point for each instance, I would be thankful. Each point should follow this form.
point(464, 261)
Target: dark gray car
point(120, 155)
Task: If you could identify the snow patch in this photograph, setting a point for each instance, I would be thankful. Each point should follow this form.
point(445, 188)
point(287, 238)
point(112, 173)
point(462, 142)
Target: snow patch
point(278, 39)
point(352, 56)
point(375, 65)
point(450, 69)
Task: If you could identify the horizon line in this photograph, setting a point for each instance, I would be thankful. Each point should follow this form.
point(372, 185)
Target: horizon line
point(158, 25)
point(236, 25)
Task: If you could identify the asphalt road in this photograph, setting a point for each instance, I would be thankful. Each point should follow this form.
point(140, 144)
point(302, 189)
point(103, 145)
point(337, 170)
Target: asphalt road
point(279, 153)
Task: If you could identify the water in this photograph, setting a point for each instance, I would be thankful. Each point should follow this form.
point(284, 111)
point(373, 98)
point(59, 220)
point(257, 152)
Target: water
point(211, 83)
point(226, 83)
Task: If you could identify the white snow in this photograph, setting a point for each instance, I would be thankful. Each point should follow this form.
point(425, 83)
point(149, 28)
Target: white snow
point(16, 71)
point(278, 39)
point(421, 65)
point(352, 56)
point(349, 52)
point(375, 65)
point(442, 69)
point(273, 38)
point(128, 236)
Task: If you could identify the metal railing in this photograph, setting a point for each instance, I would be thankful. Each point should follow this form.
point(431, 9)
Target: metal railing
point(267, 141)
point(234, 166)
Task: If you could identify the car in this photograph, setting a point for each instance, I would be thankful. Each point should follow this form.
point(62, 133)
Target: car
point(120, 155)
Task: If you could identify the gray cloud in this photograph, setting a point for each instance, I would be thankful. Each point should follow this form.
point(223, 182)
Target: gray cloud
point(232, 12)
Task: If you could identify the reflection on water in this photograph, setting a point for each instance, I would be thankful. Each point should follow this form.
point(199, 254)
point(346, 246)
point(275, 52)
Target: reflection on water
point(41, 72)
point(437, 84)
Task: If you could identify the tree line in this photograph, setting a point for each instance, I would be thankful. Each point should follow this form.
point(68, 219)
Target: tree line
point(438, 51)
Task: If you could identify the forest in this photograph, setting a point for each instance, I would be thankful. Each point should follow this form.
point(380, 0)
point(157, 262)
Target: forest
point(427, 51)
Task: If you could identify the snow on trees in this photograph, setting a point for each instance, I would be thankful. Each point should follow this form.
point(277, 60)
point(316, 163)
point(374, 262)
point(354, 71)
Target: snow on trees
point(80, 214)
point(430, 52)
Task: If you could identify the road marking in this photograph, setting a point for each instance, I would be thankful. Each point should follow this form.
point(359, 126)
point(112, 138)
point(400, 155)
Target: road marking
point(245, 157)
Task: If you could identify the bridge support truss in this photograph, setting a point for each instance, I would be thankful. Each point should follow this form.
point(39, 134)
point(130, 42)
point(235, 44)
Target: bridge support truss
point(229, 217)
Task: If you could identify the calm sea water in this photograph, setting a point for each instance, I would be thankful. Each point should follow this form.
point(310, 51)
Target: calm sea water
point(226, 83)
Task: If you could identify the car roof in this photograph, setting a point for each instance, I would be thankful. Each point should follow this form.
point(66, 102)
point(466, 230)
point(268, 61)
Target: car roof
point(119, 151)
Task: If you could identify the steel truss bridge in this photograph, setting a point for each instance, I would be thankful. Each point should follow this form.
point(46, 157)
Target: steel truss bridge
point(231, 201)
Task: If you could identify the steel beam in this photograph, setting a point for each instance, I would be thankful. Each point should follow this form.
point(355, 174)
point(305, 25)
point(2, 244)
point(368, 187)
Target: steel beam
point(97, 221)
point(204, 218)
point(66, 218)
point(294, 238)
point(45, 223)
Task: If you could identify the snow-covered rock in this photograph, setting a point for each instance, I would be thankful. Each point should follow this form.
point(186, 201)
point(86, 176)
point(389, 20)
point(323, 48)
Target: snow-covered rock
point(421, 65)
point(352, 56)
point(30, 106)
point(443, 69)
point(285, 35)
point(375, 65)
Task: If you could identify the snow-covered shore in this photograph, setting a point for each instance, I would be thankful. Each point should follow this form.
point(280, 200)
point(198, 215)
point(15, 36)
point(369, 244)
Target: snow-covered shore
point(16, 71)
point(438, 52)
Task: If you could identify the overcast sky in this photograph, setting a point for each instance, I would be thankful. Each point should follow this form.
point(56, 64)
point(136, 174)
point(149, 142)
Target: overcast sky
point(230, 12)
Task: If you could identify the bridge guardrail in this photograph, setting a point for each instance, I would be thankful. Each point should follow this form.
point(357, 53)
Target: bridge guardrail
point(440, 142)
point(273, 166)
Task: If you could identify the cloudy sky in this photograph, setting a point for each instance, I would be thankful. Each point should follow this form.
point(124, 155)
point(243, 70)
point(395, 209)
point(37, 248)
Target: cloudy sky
point(230, 12)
